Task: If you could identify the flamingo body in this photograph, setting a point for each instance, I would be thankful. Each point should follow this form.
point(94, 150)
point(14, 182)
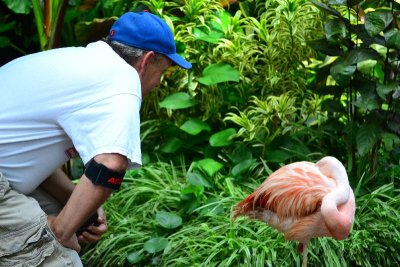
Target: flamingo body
point(304, 200)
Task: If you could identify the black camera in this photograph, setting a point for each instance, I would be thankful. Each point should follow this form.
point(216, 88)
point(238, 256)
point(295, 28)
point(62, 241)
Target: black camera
point(92, 221)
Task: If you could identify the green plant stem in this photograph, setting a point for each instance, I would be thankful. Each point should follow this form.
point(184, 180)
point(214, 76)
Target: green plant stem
point(39, 19)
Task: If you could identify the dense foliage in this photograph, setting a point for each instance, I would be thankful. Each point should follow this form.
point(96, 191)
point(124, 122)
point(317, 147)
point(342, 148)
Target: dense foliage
point(273, 81)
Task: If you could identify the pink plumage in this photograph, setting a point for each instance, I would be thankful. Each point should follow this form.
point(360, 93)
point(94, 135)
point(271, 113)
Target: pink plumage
point(304, 200)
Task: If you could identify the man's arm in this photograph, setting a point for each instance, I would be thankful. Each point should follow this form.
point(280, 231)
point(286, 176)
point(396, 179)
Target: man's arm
point(85, 199)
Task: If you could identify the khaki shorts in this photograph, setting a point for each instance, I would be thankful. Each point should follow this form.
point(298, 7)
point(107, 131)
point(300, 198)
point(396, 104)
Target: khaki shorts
point(25, 237)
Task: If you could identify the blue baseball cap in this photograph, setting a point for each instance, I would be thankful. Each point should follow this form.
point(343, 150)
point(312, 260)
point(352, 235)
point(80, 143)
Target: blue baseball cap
point(148, 32)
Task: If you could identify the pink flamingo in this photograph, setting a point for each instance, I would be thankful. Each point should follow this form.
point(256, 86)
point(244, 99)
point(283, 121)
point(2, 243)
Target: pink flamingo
point(304, 200)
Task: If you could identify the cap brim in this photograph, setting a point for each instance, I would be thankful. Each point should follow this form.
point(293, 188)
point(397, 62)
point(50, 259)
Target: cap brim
point(178, 60)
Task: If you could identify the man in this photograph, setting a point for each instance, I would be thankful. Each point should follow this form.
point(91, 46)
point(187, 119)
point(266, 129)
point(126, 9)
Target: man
point(83, 98)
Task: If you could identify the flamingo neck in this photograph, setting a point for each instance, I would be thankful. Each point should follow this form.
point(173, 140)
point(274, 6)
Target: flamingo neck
point(338, 213)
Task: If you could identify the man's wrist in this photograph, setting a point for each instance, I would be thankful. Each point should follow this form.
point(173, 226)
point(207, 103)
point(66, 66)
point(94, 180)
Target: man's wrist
point(58, 231)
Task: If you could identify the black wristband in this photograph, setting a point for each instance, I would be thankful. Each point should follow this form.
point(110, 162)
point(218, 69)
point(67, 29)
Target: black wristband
point(101, 175)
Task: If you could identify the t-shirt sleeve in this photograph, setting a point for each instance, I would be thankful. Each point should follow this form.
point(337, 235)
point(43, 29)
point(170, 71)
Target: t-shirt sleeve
point(110, 125)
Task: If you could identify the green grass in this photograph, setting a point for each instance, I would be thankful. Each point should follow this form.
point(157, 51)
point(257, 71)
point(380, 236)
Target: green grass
point(208, 236)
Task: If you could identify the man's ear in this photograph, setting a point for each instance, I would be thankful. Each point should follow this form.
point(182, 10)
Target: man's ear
point(144, 61)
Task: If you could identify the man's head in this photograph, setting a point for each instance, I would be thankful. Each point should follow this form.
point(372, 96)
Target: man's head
point(153, 44)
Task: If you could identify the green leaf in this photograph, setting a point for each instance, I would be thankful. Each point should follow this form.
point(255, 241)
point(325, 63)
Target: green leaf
point(394, 126)
point(134, 257)
point(218, 73)
point(207, 35)
point(342, 72)
point(366, 66)
point(107, 3)
point(277, 156)
point(172, 145)
point(390, 140)
point(4, 41)
point(332, 106)
point(242, 167)
point(189, 202)
point(180, 47)
point(209, 166)
point(396, 94)
point(7, 26)
point(367, 136)
point(19, 6)
point(178, 100)
point(245, 8)
point(335, 30)
point(196, 190)
point(361, 54)
point(337, 2)
point(190, 198)
point(230, 96)
point(223, 23)
point(384, 89)
point(364, 36)
point(223, 138)
point(156, 244)
point(195, 178)
point(145, 158)
point(326, 8)
point(195, 126)
point(377, 21)
point(392, 38)
point(326, 47)
point(168, 220)
point(379, 72)
point(240, 153)
point(90, 31)
point(367, 101)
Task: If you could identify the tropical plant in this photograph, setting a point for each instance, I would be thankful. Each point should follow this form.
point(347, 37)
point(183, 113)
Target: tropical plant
point(360, 74)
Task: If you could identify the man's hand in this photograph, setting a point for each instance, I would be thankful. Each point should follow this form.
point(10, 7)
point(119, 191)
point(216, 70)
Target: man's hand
point(70, 243)
point(93, 233)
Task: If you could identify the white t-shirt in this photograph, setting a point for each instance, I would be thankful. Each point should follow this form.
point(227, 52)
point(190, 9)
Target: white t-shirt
point(83, 97)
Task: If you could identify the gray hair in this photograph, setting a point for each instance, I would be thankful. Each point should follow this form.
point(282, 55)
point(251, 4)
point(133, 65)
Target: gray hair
point(128, 53)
